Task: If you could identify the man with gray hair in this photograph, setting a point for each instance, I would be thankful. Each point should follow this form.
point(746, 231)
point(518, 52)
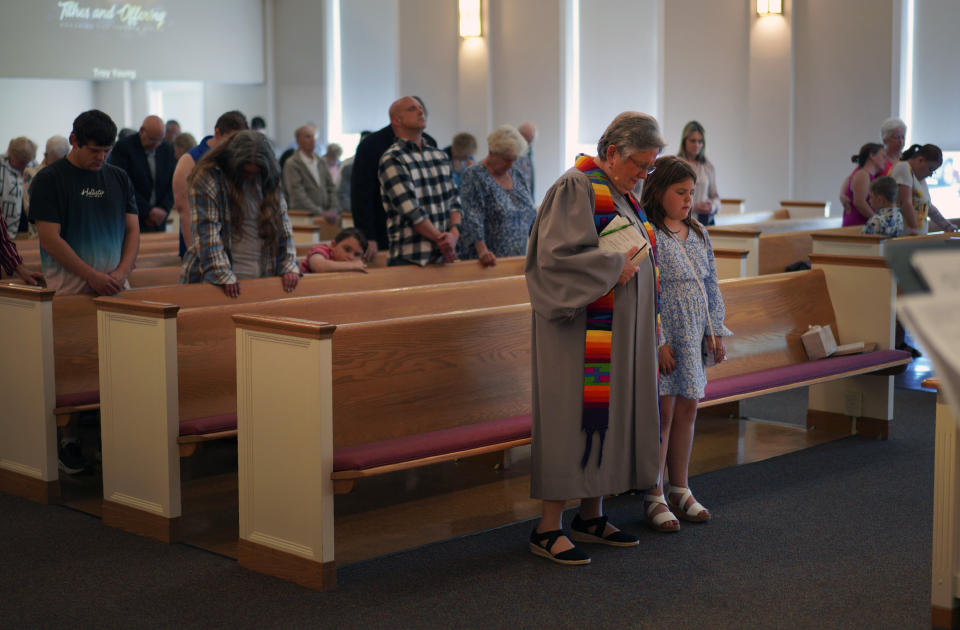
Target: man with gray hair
point(148, 160)
point(57, 147)
point(20, 152)
point(524, 162)
point(307, 178)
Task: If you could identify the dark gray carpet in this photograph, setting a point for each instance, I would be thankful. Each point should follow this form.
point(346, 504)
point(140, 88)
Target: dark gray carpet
point(836, 536)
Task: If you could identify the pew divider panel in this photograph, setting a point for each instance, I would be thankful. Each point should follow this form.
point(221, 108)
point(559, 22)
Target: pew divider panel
point(739, 239)
point(945, 570)
point(139, 417)
point(284, 373)
point(731, 263)
point(28, 434)
point(863, 291)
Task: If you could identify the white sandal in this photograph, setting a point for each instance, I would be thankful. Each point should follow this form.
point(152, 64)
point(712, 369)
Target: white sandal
point(663, 521)
point(696, 513)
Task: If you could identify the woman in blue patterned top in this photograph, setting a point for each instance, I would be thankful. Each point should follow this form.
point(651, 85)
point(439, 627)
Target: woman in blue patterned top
point(691, 329)
point(496, 201)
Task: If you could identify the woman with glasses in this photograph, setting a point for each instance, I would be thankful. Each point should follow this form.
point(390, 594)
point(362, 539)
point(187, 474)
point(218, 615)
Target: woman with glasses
point(917, 164)
point(893, 134)
point(496, 201)
point(706, 199)
point(596, 429)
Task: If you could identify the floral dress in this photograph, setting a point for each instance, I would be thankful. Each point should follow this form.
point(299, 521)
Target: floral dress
point(683, 315)
point(499, 217)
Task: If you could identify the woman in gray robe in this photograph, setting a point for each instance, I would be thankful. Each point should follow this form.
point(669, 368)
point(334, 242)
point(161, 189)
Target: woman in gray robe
point(566, 271)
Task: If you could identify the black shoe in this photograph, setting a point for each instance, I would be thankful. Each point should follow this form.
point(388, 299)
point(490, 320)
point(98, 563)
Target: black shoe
point(908, 348)
point(591, 531)
point(71, 458)
point(541, 543)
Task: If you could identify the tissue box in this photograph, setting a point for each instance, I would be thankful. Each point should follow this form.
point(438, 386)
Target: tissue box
point(819, 342)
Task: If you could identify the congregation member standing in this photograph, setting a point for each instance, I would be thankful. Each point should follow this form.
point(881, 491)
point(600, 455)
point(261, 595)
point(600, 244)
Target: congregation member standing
point(691, 329)
point(495, 196)
point(10, 259)
point(56, 148)
point(420, 200)
point(148, 160)
point(20, 152)
point(706, 199)
point(524, 161)
point(307, 178)
point(917, 164)
point(86, 214)
point(596, 429)
point(227, 124)
point(366, 203)
point(893, 134)
point(240, 223)
point(855, 191)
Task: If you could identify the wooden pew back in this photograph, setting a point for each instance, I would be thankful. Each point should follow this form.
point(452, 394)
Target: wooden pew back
point(471, 366)
point(75, 344)
point(203, 294)
point(767, 315)
point(206, 347)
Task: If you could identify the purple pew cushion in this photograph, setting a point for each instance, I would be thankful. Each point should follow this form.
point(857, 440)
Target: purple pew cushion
point(79, 398)
point(210, 424)
point(410, 447)
point(799, 372)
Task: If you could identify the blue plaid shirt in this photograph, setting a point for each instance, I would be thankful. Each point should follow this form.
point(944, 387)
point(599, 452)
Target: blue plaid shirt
point(208, 259)
point(416, 184)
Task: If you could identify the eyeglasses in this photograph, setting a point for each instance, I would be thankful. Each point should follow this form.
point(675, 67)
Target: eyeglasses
point(642, 167)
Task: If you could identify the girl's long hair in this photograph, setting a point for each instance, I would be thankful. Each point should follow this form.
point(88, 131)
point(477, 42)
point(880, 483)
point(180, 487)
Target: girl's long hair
point(670, 170)
point(247, 147)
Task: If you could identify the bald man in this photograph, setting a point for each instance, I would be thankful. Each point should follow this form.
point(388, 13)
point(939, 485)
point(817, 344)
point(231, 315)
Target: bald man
point(148, 160)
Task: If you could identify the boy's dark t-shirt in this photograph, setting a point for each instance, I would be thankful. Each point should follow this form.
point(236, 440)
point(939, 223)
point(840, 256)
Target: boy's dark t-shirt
point(91, 208)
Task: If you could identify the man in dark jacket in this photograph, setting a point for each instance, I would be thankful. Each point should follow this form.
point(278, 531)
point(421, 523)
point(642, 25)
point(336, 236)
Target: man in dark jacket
point(149, 163)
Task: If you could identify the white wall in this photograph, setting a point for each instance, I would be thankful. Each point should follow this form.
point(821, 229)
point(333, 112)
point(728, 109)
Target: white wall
point(843, 88)
point(298, 72)
point(40, 108)
point(706, 55)
point(936, 93)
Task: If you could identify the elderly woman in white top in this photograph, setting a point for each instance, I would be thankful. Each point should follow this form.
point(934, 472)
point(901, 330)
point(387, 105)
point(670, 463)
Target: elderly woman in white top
point(893, 134)
point(496, 201)
point(706, 199)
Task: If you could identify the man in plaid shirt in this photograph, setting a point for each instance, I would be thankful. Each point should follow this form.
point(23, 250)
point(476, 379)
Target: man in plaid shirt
point(419, 197)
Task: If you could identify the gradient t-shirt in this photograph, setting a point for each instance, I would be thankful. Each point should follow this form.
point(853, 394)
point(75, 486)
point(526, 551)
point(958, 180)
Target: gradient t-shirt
point(91, 208)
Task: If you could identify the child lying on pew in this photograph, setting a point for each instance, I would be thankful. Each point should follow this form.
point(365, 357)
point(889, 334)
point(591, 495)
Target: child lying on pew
point(345, 254)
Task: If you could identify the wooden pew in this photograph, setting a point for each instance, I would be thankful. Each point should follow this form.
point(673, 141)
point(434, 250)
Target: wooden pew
point(731, 263)
point(192, 387)
point(773, 245)
point(811, 209)
point(471, 369)
point(382, 411)
point(751, 217)
point(732, 206)
point(853, 243)
point(35, 387)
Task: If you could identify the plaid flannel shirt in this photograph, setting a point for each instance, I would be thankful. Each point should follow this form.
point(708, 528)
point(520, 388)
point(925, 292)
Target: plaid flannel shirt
point(209, 259)
point(9, 258)
point(416, 184)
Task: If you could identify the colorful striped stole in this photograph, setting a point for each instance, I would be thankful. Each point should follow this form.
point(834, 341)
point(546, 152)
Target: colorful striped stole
point(596, 363)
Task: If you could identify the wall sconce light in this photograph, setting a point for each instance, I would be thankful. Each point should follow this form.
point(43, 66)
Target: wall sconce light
point(471, 20)
point(769, 7)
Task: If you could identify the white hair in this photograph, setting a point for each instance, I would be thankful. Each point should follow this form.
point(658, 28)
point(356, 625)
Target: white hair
point(506, 140)
point(891, 125)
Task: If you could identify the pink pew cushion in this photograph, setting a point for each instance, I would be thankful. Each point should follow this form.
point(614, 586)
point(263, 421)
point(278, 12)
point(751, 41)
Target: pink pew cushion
point(799, 372)
point(79, 398)
point(210, 424)
point(410, 447)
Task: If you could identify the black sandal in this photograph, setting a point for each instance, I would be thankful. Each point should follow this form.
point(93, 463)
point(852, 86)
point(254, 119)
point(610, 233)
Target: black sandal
point(591, 531)
point(538, 548)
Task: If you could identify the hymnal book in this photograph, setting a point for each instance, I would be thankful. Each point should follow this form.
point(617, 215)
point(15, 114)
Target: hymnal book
point(621, 236)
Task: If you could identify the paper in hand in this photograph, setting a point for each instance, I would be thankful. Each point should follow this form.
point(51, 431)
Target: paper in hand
point(621, 236)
